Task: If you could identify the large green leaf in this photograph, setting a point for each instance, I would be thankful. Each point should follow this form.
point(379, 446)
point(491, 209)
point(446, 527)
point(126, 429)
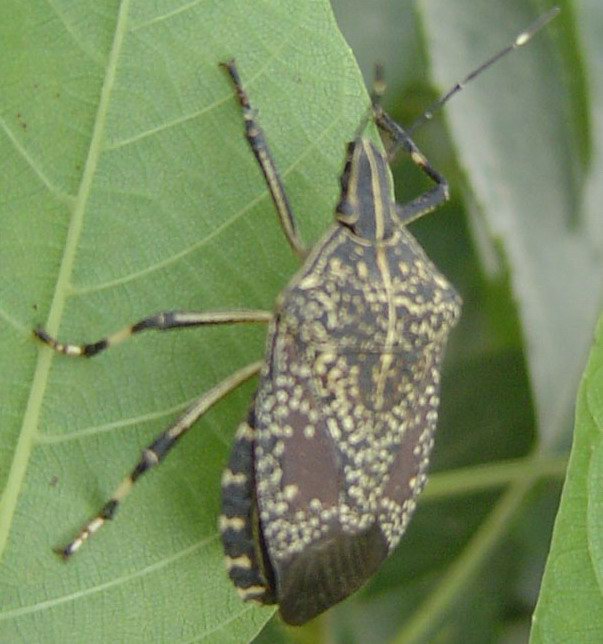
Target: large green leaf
point(570, 607)
point(128, 188)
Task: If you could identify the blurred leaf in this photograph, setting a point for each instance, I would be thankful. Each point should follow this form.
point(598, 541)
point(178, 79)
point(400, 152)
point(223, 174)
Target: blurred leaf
point(522, 147)
point(128, 188)
point(384, 32)
point(570, 606)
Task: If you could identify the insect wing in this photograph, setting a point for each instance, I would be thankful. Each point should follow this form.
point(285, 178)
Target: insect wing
point(299, 487)
point(406, 475)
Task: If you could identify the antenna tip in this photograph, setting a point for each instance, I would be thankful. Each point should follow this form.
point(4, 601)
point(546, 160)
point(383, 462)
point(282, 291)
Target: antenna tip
point(527, 35)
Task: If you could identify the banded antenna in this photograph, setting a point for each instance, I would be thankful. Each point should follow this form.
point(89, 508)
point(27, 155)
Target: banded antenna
point(524, 37)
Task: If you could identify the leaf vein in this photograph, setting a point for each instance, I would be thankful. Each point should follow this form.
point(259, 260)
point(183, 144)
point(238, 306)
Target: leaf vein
point(189, 117)
point(12, 322)
point(185, 252)
point(158, 565)
point(24, 154)
point(29, 427)
point(166, 16)
point(94, 56)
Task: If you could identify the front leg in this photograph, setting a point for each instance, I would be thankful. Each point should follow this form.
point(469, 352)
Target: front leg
point(257, 141)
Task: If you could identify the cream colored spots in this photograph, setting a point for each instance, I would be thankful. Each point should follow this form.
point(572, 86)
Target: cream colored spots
point(248, 594)
point(231, 523)
point(244, 432)
point(354, 373)
point(362, 270)
point(309, 431)
point(228, 478)
point(290, 492)
point(238, 562)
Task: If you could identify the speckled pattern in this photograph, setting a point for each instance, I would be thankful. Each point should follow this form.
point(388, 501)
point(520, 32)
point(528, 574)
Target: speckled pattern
point(347, 402)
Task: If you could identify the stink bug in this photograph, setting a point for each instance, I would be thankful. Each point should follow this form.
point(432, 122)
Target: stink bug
point(325, 471)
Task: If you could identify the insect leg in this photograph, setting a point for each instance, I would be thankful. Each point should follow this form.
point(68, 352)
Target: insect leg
point(157, 451)
point(160, 322)
point(429, 200)
point(257, 141)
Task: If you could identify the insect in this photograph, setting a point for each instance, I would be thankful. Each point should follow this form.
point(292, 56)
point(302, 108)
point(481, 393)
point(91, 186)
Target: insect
point(324, 473)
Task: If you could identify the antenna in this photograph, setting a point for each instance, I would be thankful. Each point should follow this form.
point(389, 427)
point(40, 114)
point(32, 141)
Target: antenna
point(524, 37)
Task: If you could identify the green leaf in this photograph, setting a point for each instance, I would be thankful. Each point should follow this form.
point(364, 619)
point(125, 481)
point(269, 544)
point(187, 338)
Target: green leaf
point(128, 188)
point(570, 606)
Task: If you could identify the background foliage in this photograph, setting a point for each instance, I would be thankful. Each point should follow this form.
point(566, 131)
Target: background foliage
point(127, 188)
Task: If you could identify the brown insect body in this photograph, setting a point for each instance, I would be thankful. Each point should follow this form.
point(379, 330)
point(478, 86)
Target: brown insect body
point(346, 407)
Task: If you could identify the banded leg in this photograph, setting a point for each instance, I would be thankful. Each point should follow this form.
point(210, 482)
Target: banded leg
point(427, 201)
point(160, 322)
point(157, 451)
point(257, 141)
point(245, 557)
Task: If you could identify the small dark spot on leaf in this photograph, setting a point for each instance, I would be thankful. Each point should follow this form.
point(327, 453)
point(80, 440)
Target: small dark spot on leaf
point(54, 480)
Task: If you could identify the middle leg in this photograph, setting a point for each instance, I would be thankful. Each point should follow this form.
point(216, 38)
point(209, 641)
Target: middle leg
point(160, 322)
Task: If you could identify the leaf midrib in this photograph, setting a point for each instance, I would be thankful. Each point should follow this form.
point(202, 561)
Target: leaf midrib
point(31, 416)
